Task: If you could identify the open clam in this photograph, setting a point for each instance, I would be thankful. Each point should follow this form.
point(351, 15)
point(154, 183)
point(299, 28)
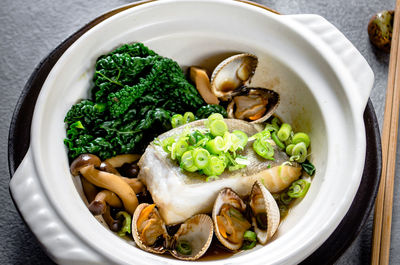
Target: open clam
point(149, 230)
point(264, 211)
point(190, 242)
point(230, 82)
point(229, 220)
point(229, 216)
point(232, 73)
point(193, 238)
point(254, 104)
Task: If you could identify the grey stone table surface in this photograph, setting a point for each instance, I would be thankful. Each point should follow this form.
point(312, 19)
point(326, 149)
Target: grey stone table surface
point(31, 29)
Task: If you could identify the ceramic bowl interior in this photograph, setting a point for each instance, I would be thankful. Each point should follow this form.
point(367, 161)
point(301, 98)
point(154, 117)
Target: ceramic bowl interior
point(314, 98)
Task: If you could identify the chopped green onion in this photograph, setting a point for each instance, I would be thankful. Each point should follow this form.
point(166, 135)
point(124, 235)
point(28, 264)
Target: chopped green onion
point(126, 224)
point(299, 152)
point(276, 121)
point(216, 145)
point(298, 188)
point(242, 138)
point(188, 117)
point(218, 127)
point(177, 120)
point(264, 149)
point(271, 127)
point(308, 167)
point(187, 162)
point(285, 198)
point(201, 157)
point(249, 245)
point(250, 236)
point(262, 134)
point(195, 137)
point(289, 149)
point(167, 142)
point(180, 147)
point(284, 132)
point(301, 137)
point(277, 141)
point(184, 247)
point(224, 158)
point(236, 167)
point(215, 116)
point(214, 167)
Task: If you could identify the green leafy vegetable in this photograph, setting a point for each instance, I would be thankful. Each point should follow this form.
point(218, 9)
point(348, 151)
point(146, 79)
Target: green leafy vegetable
point(308, 167)
point(135, 93)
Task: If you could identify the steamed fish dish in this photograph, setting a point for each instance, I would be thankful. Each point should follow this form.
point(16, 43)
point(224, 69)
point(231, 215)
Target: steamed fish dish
point(168, 159)
point(180, 194)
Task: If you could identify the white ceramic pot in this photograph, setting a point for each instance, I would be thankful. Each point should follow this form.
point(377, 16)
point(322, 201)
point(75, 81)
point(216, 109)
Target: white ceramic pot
point(324, 84)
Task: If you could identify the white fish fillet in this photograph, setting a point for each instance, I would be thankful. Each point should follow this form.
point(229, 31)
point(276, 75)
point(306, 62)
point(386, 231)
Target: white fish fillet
point(179, 194)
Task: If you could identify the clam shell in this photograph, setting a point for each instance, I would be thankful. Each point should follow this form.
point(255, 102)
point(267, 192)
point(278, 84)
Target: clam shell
point(232, 73)
point(136, 236)
point(260, 195)
point(226, 196)
point(273, 103)
point(199, 231)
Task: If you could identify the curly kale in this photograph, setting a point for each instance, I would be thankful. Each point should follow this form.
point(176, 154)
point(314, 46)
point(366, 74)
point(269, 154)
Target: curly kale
point(134, 95)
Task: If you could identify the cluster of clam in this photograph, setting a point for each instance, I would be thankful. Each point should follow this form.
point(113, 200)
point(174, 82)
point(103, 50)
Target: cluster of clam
point(230, 84)
point(231, 217)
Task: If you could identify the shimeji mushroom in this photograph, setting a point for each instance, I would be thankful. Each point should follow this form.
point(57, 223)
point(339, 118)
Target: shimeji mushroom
point(86, 163)
point(103, 198)
point(119, 160)
point(202, 81)
point(135, 184)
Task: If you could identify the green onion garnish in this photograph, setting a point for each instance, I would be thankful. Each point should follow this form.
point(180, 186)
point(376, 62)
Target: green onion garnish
point(201, 157)
point(298, 188)
point(277, 141)
point(183, 247)
point(188, 117)
point(177, 120)
point(284, 132)
point(301, 137)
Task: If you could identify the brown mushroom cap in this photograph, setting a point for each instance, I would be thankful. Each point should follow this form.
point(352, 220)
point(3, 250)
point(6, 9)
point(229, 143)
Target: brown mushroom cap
point(82, 161)
point(114, 225)
point(119, 160)
point(105, 166)
point(113, 183)
point(102, 199)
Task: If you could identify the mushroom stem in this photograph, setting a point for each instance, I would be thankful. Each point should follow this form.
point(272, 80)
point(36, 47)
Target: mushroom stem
point(202, 81)
point(135, 184)
point(104, 197)
point(119, 160)
point(89, 189)
point(113, 183)
point(113, 224)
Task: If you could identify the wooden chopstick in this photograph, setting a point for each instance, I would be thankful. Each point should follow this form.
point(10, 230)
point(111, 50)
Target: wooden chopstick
point(384, 200)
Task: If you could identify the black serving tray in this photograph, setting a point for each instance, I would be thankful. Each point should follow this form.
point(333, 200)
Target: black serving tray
point(327, 253)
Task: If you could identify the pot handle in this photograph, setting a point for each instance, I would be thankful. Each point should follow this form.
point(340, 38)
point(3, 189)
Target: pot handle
point(351, 58)
point(58, 241)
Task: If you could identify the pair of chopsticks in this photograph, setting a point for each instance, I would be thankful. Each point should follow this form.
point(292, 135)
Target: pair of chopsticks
point(384, 200)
